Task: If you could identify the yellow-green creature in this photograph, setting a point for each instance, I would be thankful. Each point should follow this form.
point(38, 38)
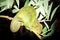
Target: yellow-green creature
point(27, 17)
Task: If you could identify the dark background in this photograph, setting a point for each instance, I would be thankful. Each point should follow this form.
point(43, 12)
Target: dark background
point(6, 34)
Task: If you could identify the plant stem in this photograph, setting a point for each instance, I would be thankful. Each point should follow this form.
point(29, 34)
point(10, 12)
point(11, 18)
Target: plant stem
point(7, 17)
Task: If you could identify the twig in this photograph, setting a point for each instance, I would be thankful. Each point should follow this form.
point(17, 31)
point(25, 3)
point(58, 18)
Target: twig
point(7, 17)
point(46, 25)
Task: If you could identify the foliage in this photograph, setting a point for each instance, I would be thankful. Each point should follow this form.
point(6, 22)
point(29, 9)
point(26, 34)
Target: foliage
point(43, 8)
point(5, 4)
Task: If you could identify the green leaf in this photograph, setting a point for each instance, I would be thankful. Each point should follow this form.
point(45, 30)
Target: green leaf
point(3, 3)
point(2, 0)
point(41, 9)
point(53, 25)
point(3, 8)
point(44, 29)
point(52, 29)
point(54, 12)
point(49, 11)
point(26, 3)
point(6, 3)
point(17, 1)
point(16, 9)
point(46, 5)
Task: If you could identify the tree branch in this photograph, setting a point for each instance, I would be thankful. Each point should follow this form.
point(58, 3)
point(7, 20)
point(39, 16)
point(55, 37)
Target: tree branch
point(7, 17)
